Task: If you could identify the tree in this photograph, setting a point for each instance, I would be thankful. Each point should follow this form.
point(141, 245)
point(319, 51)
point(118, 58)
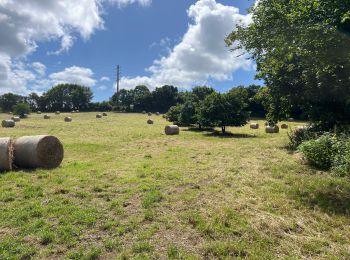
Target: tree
point(9, 100)
point(201, 92)
point(223, 110)
point(302, 53)
point(173, 113)
point(126, 98)
point(21, 109)
point(67, 97)
point(163, 98)
point(142, 98)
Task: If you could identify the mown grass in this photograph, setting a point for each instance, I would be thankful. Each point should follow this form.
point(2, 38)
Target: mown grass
point(125, 190)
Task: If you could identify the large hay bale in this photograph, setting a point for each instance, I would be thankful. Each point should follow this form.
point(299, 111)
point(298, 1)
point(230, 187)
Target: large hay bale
point(57, 112)
point(284, 126)
point(68, 119)
point(150, 121)
point(47, 117)
point(149, 113)
point(254, 125)
point(42, 151)
point(8, 123)
point(16, 118)
point(98, 116)
point(272, 129)
point(6, 154)
point(172, 130)
point(104, 114)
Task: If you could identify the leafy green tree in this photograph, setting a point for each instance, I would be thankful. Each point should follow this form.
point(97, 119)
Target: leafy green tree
point(302, 52)
point(201, 92)
point(7, 101)
point(173, 113)
point(21, 109)
point(142, 98)
point(221, 110)
point(163, 98)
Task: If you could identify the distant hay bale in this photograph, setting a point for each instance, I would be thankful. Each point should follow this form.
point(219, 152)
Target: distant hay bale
point(38, 112)
point(254, 126)
point(6, 154)
point(290, 119)
point(104, 114)
point(73, 111)
point(98, 116)
point(10, 113)
point(47, 117)
point(272, 129)
point(144, 112)
point(284, 126)
point(8, 123)
point(157, 113)
point(77, 111)
point(164, 115)
point(68, 119)
point(16, 118)
point(150, 122)
point(23, 116)
point(42, 151)
point(172, 130)
point(57, 112)
point(149, 113)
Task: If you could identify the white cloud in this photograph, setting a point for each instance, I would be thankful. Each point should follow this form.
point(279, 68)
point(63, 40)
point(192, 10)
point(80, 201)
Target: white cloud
point(202, 54)
point(105, 79)
point(39, 68)
point(73, 75)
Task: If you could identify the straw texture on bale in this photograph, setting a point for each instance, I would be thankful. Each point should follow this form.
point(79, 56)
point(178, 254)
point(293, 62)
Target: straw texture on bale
point(8, 123)
point(150, 121)
point(16, 118)
point(272, 129)
point(284, 126)
point(6, 154)
point(98, 116)
point(47, 117)
point(42, 151)
point(104, 114)
point(254, 126)
point(68, 119)
point(172, 130)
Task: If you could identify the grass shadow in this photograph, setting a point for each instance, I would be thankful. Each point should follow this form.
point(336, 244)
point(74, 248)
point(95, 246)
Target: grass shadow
point(196, 129)
point(228, 135)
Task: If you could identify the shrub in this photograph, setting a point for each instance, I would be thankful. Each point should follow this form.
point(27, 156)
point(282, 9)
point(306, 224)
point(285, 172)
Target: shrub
point(21, 109)
point(320, 152)
point(341, 161)
point(300, 135)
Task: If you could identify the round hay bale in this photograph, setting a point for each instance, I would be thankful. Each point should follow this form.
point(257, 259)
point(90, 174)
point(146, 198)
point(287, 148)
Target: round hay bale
point(157, 113)
point(104, 114)
point(284, 126)
point(42, 151)
point(8, 123)
point(144, 112)
point(98, 116)
point(172, 130)
point(150, 122)
point(6, 154)
point(254, 126)
point(10, 113)
point(16, 118)
point(68, 119)
point(47, 117)
point(290, 119)
point(73, 111)
point(149, 113)
point(77, 111)
point(57, 112)
point(38, 112)
point(23, 116)
point(272, 129)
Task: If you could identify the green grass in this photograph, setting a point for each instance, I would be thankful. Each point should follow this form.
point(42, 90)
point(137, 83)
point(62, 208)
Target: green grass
point(125, 190)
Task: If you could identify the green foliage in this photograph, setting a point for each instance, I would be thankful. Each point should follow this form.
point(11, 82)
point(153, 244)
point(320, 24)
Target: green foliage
point(21, 109)
point(304, 59)
point(300, 135)
point(7, 101)
point(341, 161)
point(174, 113)
point(223, 110)
point(320, 152)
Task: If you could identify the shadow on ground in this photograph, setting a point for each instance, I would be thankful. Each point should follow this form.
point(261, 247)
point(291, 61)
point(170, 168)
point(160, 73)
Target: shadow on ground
point(210, 132)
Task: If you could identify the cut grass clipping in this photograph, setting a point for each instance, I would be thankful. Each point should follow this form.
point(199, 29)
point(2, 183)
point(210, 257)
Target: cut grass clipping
point(40, 151)
point(8, 123)
point(172, 130)
point(6, 154)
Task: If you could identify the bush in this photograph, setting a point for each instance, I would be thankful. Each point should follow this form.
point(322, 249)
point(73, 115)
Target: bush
point(21, 109)
point(174, 113)
point(300, 135)
point(341, 161)
point(320, 152)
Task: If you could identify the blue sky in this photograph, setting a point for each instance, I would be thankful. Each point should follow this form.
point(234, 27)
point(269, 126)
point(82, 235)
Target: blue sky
point(157, 42)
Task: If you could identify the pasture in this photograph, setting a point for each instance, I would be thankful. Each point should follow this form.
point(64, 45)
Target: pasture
point(126, 190)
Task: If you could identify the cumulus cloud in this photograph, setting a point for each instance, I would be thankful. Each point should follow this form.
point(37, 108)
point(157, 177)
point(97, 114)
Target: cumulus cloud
point(39, 68)
point(202, 54)
point(105, 79)
point(73, 75)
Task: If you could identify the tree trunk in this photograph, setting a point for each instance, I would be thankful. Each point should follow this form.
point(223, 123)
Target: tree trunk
point(199, 126)
point(223, 129)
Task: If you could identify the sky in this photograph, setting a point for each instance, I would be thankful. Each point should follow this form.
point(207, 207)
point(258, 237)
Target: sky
point(156, 42)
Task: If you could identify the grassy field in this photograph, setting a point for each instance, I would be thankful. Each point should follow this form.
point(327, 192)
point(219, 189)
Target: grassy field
point(125, 190)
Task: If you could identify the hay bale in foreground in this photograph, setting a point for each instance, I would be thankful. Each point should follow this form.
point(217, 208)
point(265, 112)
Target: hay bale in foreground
point(104, 114)
point(6, 154)
point(47, 117)
point(68, 119)
point(284, 126)
point(16, 118)
point(272, 129)
point(57, 112)
point(98, 116)
point(172, 130)
point(8, 123)
point(42, 151)
point(150, 122)
point(254, 126)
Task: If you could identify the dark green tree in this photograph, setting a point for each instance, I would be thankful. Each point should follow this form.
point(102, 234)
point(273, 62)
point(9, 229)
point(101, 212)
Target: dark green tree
point(21, 109)
point(7, 101)
point(163, 98)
